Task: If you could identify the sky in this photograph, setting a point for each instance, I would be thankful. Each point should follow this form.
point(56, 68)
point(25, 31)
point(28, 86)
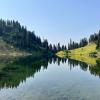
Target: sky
point(55, 20)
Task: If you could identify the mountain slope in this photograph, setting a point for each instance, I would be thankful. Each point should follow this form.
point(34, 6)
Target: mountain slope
point(13, 33)
point(84, 50)
point(82, 54)
point(9, 50)
point(90, 48)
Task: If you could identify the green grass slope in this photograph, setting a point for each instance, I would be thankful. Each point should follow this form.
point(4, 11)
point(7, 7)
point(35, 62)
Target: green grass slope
point(82, 54)
point(84, 50)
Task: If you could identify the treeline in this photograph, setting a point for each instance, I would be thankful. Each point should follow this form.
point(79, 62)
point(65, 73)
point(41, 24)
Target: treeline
point(94, 38)
point(55, 48)
point(13, 33)
point(73, 45)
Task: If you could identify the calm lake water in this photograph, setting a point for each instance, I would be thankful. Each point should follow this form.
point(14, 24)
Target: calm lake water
point(48, 79)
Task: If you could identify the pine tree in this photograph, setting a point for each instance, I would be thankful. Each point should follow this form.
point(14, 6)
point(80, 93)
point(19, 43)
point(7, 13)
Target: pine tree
point(98, 42)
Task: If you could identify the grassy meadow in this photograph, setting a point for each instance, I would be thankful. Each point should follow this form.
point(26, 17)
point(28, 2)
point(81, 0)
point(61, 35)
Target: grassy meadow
point(87, 54)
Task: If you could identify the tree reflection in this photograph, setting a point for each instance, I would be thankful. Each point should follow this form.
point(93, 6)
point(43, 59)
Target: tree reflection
point(94, 69)
point(15, 71)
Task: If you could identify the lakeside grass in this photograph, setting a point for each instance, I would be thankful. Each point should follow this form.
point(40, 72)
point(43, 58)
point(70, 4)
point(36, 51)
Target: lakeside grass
point(82, 54)
point(90, 48)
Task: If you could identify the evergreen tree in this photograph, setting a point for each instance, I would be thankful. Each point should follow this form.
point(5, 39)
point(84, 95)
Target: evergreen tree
point(15, 34)
point(58, 47)
point(98, 42)
point(54, 49)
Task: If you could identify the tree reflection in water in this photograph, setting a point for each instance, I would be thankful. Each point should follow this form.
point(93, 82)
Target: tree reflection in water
point(13, 72)
point(17, 70)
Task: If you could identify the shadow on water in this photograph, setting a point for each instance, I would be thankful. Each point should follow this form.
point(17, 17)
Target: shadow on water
point(15, 71)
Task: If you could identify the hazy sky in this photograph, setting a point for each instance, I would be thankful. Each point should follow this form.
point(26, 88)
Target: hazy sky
point(56, 20)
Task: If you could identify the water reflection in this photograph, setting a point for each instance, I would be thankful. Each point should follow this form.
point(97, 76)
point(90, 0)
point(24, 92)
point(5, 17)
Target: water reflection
point(94, 69)
point(16, 71)
point(73, 63)
point(13, 72)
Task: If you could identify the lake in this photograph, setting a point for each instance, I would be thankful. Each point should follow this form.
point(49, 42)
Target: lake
point(48, 79)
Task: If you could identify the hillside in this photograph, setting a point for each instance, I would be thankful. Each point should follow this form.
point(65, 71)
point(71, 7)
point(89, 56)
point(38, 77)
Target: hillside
point(84, 50)
point(9, 50)
point(13, 33)
point(16, 39)
point(82, 54)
